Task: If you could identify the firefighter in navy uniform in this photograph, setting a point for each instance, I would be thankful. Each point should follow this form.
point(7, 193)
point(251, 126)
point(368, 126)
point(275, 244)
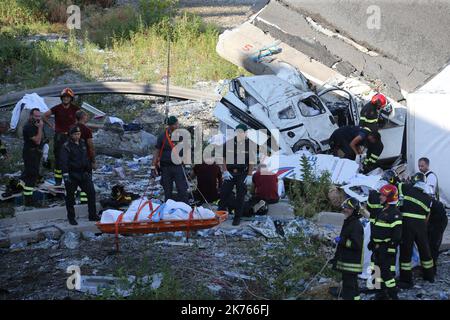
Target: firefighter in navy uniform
point(32, 153)
point(371, 113)
point(386, 235)
point(437, 223)
point(415, 210)
point(373, 153)
point(349, 255)
point(65, 117)
point(76, 171)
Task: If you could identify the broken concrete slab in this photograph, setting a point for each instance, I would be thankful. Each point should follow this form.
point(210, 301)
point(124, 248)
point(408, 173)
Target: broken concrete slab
point(45, 214)
point(335, 219)
point(129, 143)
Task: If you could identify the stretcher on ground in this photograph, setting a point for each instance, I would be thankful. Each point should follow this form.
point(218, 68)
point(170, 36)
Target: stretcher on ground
point(150, 226)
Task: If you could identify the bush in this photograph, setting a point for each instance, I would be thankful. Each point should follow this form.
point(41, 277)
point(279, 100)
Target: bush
point(294, 262)
point(19, 12)
point(310, 196)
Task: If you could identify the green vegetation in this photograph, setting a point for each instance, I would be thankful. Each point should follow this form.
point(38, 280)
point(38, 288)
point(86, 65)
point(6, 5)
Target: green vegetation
point(173, 286)
point(119, 42)
point(310, 196)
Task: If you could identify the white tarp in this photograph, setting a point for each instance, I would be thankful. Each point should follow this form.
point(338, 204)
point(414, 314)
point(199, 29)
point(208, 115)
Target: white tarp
point(31, 101)
point(289, 166)
point(428, 129)
point(170, 210)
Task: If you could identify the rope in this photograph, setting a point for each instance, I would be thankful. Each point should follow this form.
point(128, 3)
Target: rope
point(169, 39)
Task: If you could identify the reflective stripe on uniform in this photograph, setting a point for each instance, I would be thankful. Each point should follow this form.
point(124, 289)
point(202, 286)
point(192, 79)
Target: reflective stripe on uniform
point(390, 283)
point(348, 243)
point(419, 203)
point(58, 173)
point(28, 191)
point(357, 298)
point(83, 196)
point(388, 225)
point(391, 250)
point(382, 240)
point(374, 205)
point(406, 266)
point(368, 120)
point(427, 264)
point(353, 267)
point(414, 215)
point(392, 268)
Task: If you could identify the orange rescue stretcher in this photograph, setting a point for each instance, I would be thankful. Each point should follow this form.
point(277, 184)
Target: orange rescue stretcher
point(144, 227)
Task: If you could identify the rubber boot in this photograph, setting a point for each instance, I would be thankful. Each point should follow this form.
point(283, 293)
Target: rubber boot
point(393, 294)
point(381, 295)
point(428, 275)
point(236, 220)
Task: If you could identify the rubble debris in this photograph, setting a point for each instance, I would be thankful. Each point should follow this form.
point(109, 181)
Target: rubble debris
point(129, 143)
point(237, 275)
point(96, 285)
point(70, 240)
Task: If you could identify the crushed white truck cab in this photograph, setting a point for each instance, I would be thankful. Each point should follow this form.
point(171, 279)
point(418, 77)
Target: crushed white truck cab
point(269, 102)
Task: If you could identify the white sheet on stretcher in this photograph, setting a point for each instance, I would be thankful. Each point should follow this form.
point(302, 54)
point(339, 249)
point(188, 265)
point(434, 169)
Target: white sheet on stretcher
point(171, 210)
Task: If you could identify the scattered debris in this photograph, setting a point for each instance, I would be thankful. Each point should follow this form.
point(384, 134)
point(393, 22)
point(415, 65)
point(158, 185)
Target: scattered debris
point(70, 240)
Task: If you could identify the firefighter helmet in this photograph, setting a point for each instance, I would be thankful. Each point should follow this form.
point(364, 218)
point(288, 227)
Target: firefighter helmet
point(379, 100)
point(351, 203)
point(390, 176)
point(67, 92)
point(418, 177)
point(390, 192)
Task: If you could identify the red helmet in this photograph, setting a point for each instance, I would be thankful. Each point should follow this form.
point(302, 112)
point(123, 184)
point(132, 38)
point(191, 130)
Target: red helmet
point(379, 100)
point(67, 92)
point(390, 192)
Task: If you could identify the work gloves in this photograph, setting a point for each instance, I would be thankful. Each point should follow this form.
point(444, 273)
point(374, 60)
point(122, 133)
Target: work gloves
point(248, 180)
point(226, 175)
point(337, 240)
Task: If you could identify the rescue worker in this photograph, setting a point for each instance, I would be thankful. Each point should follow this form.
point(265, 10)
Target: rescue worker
point(349, 255)
point(371, 113)
point(209, 181)
point(86, 136)
point(240, 157)
point(64, 119)
point(415, 210)
point(349, 139)
point(431, 177)
point(76, 169)
point(163, 164)
point(264, 192)
point(373, 153)
point(33, 134)
point(386, 235)
point(437, 223)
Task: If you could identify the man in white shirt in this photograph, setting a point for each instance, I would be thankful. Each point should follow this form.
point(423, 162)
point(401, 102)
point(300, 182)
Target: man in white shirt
point(432, 180)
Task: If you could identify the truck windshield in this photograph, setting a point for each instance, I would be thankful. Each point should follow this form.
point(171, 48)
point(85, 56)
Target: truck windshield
point(311, 106)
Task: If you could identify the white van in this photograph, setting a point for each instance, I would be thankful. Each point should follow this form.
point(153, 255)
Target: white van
point(268, 102)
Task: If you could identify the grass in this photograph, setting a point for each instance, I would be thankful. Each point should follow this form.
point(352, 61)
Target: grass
point(136, 48)
point(295, 263)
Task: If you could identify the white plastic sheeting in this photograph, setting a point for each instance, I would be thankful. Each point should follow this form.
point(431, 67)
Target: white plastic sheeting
point(428, 129)
point(289, 166)
point(31, 101)
point(170, 210)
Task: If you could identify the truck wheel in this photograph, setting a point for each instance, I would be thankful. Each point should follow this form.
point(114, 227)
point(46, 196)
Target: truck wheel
point(304, 145)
